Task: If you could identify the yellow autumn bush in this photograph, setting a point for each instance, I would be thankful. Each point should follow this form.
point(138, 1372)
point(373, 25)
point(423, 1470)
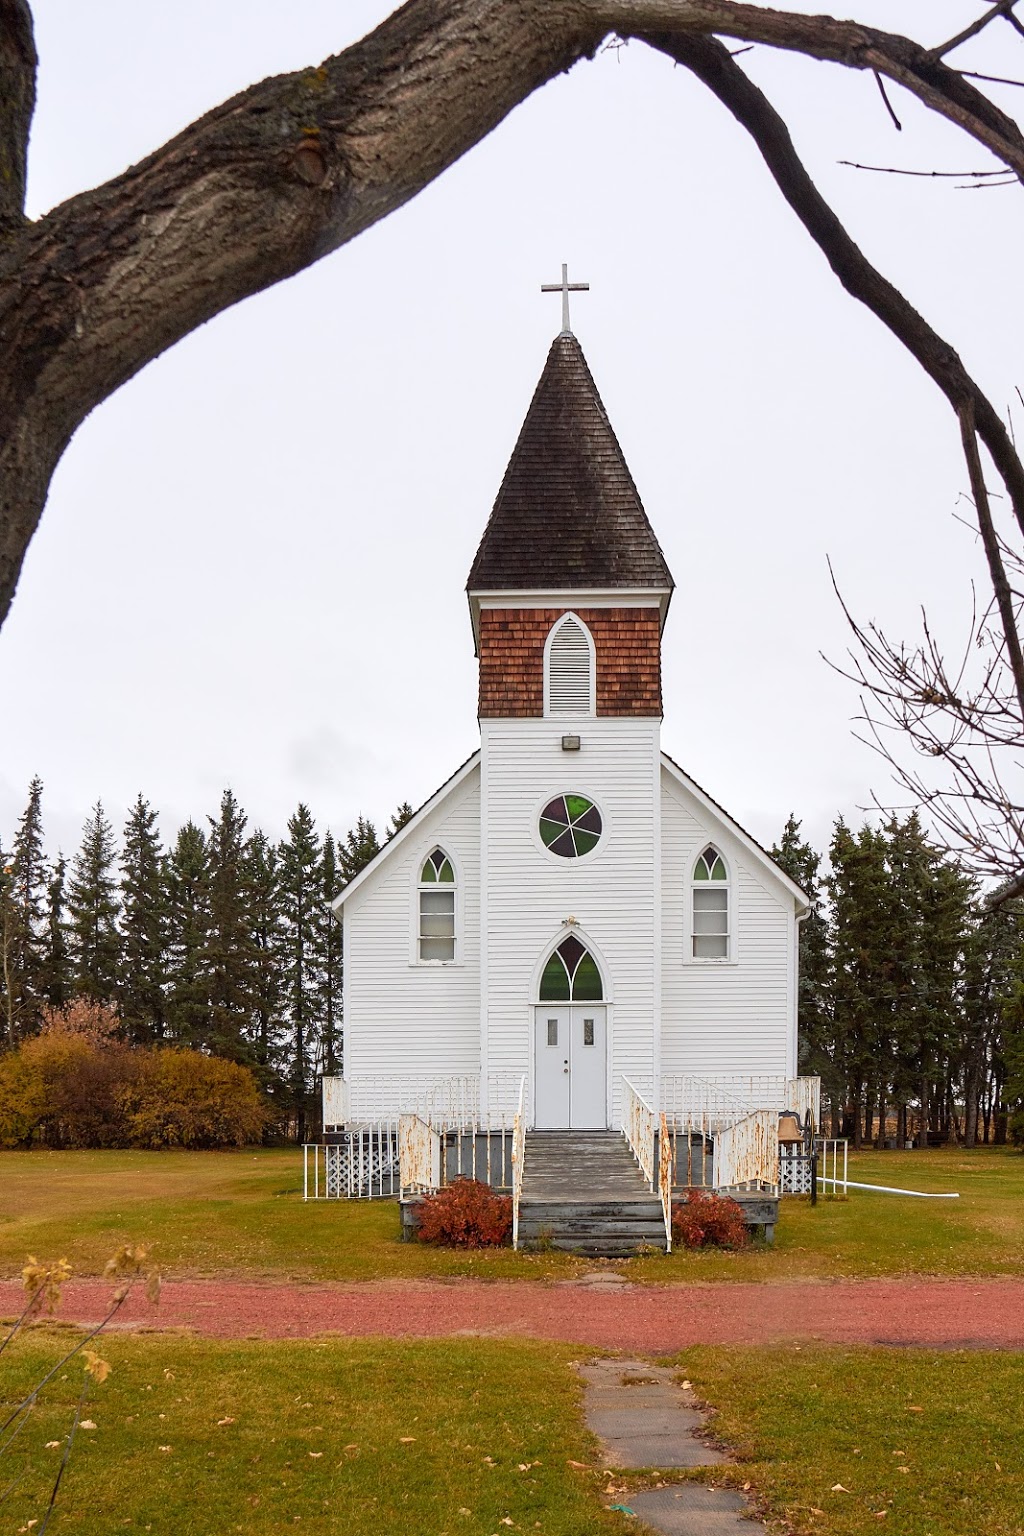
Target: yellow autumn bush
point(185, 1099)
point(62, 1089)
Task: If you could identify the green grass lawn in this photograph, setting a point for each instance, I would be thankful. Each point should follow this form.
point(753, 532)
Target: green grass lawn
point(466, 1437)
point(243, 1213)
point(923, 1443)
point(471, 1437)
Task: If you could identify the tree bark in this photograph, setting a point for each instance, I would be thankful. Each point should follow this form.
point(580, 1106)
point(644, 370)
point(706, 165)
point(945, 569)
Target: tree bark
point(17, 102)
point(292, 168)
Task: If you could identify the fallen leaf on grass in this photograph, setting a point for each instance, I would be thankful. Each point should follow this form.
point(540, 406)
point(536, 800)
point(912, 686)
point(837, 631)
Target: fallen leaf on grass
point(87, 1424)
point(315, 1454)
point(912, 1409)
point(879, 1514)
point(838, 1488)
point(816, 1511)
point(687, 1386)
point(903, 1469)
point(222, 1422)
point(407, 1439)
point(164, 1447)
point(580, 1466)
point(54, 1445)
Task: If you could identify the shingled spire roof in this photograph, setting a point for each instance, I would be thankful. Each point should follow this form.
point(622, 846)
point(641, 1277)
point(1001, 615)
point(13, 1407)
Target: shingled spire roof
point(567, 514)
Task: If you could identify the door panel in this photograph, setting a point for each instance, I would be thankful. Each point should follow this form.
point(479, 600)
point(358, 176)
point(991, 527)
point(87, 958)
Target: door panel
point(588, 1074)
point(551, 1069)
point(570, 1068)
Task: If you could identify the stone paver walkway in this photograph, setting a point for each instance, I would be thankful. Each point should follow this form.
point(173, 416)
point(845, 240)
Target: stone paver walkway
point(644, 1418)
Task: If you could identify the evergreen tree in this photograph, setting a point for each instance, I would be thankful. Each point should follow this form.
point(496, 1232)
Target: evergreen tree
point(142, 977)
point(802, 863)
point(57, 977)
point(25, 922)
point(262, 870)
point(7, 1038)
point(93, 905)
point(360, 846)
point(403, 814)
point(301, 907)
point(187, 902)
point(230, 956)
point(329, 957)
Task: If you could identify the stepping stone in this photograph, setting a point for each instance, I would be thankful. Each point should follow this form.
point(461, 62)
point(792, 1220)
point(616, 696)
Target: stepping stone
point(692, 1510)
point(643, 1418)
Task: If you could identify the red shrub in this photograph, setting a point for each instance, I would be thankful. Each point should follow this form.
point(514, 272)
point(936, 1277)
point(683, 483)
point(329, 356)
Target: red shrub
point(708, 1221)
point(466, 1214)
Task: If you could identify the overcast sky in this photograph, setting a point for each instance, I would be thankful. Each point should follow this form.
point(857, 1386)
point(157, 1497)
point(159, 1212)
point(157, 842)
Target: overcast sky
point(251, 569)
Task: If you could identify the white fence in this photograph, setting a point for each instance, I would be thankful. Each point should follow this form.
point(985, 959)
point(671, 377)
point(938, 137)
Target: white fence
point(747, 1153)
point(419, 1156)
point(518, 1158)
point(362, 1167)
point(452, 1100)
point(706, 1104)
point(648, 1138)
point(638, 1127)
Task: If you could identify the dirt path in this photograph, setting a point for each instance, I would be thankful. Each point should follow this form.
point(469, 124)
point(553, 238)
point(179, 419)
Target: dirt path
point(594, 1311)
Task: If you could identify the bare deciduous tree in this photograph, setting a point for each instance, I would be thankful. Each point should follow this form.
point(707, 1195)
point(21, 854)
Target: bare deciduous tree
point(265, 184)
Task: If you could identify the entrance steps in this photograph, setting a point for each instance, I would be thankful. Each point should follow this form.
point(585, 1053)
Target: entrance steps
point(583, 1191)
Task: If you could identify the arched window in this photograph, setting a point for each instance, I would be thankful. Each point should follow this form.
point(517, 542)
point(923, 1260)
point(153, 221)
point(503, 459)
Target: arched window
point(437, 908)
point(569, 669)
point(571, 975)
point(710, 906)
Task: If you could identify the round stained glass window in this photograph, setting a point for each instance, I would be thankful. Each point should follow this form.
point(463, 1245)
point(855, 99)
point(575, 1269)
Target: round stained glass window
point(570, 825)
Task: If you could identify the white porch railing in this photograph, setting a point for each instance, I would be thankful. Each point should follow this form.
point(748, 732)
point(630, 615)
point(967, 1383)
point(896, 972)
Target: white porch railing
point(419, 1156)
point(361, 1166)
point(454, 1099)
point(648, 1138)
point(803, 1095)
point(665, 1150)
point(638, 1127)
point(706, 1103)
point(518, 1158)
point(747, 1153)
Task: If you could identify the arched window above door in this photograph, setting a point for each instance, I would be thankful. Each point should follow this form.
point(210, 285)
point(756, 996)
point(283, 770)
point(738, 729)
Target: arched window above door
point(571, 975)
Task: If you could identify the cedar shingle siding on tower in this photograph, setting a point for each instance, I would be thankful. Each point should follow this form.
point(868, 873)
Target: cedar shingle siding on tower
point(568, 513)
point(628, 646)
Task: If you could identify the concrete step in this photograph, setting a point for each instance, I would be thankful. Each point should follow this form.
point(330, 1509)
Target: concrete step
point(583, 1191)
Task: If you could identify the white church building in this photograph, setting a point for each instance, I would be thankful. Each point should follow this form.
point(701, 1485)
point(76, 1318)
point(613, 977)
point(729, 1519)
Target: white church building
point(570, 917)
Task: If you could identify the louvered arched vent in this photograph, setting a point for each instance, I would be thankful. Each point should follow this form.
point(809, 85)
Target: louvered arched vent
point(570, 680)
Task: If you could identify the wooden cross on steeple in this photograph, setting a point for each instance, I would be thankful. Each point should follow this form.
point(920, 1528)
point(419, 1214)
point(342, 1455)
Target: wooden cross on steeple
point(565, 288)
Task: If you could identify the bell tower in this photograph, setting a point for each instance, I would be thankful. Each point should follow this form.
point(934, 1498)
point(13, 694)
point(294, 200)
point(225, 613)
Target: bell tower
point(568, 594)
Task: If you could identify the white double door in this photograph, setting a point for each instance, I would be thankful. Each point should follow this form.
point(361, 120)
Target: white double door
point(571, 1068)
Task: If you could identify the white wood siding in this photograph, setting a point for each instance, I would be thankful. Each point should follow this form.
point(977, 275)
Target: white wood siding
point(723, 1016)
point(613, 892)
point(402, 1017)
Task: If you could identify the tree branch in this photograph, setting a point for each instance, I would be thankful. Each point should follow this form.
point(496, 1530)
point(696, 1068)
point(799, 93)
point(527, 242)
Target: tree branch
point(993, 553)
point(999, 9)
point(253, 192)
point(294, 167)
point(709, 60)
point(17, 103)
point(940, 88)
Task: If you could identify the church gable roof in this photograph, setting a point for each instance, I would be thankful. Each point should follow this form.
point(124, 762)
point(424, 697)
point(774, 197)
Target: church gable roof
point(567, 514)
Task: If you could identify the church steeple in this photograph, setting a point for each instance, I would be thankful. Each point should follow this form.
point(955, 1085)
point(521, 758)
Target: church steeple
point(568, 514)
point(569, 588)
